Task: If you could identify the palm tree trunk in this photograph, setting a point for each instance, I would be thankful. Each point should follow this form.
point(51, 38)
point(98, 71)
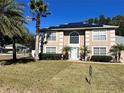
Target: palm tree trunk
point(84, 45)
point(41, 47)
point(37, 37)
point(14, 50)
point(37, 48)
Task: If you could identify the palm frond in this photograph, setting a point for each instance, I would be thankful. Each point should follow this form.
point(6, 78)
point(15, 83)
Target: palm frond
point(66, 49)
point(39, 7)
point(11, 19)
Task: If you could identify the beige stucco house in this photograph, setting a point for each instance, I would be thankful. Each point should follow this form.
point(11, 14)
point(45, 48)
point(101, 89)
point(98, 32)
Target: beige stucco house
point(98, 39)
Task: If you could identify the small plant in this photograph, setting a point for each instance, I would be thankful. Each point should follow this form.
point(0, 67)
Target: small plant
point(84, 51)
point(116, 51)
point(66, 51)
point(81, 54)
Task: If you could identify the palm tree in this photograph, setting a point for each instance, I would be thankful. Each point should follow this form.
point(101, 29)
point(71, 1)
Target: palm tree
point(11, 21)
point(84, 51)
point(38, 9)
point(66, 51)
point(116, 51)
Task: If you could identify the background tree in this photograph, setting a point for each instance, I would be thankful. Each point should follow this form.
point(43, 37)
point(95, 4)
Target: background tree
point(119, 21)
point(28, 40)
point(108, 20)
point(116, 20)
point(91, 20)
point(102, 19)
point(116, 51)
point(11, 21)
point(38, 9)
point(96, 21)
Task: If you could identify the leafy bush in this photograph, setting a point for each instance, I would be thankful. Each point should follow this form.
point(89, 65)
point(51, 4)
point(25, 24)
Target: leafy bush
point(51, 56)
point(66, 51)
point(66, 56)
point(101, 58)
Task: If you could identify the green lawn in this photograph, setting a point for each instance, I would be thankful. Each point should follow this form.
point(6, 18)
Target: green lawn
point(61, 77)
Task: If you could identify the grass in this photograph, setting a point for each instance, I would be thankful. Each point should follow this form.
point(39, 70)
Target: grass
point(61, 77)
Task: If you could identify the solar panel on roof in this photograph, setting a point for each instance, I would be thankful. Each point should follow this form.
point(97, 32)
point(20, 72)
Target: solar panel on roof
point(76, 25)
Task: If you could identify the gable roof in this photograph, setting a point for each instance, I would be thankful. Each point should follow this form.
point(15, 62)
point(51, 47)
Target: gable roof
point(80, 26)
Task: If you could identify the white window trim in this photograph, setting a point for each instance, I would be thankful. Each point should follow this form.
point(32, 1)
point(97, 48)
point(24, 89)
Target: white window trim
point(73, 45)
point(50, 46)
point(100, 47)
point(99, 40)
point(55, 34)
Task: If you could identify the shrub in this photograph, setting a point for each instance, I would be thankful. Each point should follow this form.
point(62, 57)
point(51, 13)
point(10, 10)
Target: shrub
point(66, 51)
point(66, 56)
point(51, 56)
point(101, 58)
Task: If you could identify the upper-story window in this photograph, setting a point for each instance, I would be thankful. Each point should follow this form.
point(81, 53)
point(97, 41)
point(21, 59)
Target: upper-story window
point(74, 38)
point(51, 36)
point(99, 35)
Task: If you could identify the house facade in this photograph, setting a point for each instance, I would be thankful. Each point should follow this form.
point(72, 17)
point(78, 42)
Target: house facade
point(98, 38)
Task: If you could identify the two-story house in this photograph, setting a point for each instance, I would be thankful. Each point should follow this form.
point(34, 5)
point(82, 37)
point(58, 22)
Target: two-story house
point(98, 38)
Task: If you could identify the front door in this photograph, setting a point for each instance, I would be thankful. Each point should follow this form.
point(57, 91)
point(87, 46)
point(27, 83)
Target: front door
point(74, 54)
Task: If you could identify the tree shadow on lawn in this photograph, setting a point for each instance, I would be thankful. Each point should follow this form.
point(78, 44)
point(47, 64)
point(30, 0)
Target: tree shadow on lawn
point(18, 61)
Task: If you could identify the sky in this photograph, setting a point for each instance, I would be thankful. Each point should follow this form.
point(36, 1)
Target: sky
point(66, 11)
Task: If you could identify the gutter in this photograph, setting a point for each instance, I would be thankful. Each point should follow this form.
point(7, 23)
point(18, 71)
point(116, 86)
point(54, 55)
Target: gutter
point(86, 28)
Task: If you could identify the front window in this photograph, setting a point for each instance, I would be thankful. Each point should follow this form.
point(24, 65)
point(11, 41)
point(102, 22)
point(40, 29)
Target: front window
point(51, 50)
point(99, 50)
point(99, 35)
point(51, 36)
point(74, 38)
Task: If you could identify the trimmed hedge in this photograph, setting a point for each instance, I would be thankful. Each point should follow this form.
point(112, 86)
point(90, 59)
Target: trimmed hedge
point(101, 58)
point(51, 56)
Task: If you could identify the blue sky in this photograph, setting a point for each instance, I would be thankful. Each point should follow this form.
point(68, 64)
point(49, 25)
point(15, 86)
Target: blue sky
point(65, 11)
